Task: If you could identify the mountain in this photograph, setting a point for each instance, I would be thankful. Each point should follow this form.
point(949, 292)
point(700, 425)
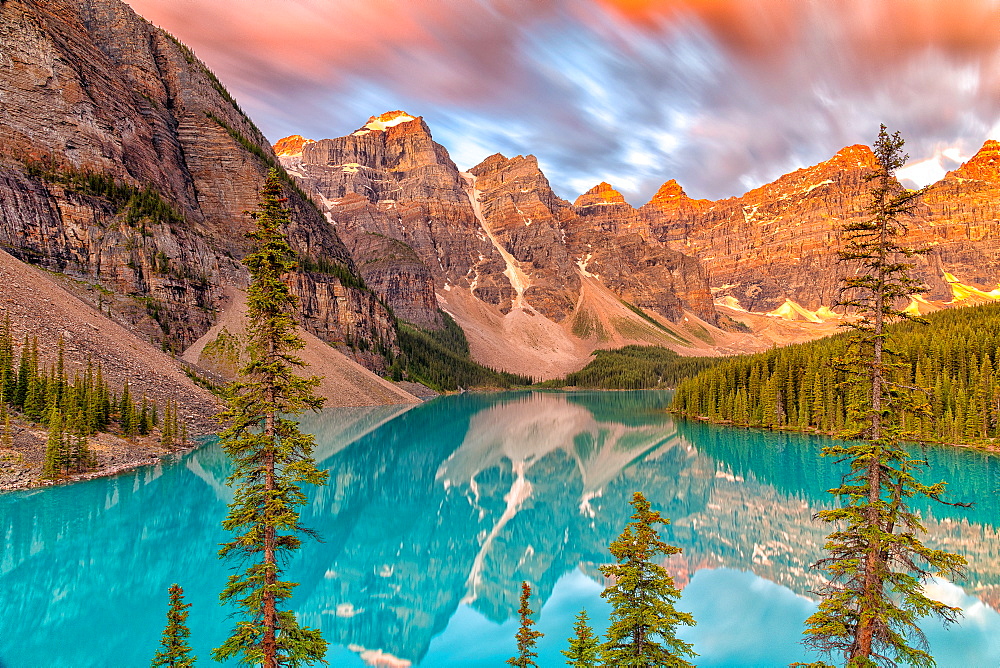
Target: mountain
point(774, 249)
point(125, 163)
point(519, 268)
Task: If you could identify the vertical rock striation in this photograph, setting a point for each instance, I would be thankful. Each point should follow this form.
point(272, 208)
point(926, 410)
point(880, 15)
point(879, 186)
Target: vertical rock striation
point(124, 162)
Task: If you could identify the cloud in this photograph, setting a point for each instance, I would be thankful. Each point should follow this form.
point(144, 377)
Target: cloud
point(723, 96)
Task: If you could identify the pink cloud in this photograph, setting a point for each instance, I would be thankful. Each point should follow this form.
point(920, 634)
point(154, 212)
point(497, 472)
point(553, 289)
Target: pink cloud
point(722, 95)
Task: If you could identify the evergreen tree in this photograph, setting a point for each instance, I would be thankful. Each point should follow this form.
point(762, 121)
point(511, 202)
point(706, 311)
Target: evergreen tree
point(24, 373)
point(78, 455)
point(8, 376)
point(6, 432)
point(143, 424)
point(270, 456)
point(877, 565)
point(584, 646)
point(643, 630)
point(526, 636)
point(126, 412)
point(167, 434)
point(174, 651)
point(55, 446)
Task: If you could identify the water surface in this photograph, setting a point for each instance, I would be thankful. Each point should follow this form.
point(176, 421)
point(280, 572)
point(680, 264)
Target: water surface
point(434, 515)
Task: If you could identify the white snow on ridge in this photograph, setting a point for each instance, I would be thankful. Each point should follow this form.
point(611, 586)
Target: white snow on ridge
point(376, 124)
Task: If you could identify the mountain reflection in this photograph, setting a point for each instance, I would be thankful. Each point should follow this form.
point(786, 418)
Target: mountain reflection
point(439, 508)
point(444, 507)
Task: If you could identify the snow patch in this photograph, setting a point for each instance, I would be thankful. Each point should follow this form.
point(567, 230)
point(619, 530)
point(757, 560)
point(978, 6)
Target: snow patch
point(809, 189)
point(582, 264)
point(519, 280)
point(347, 610)
point(730, 301)
point(378, 658)
point(960, 291)
point(376, 124)
point(585, 507)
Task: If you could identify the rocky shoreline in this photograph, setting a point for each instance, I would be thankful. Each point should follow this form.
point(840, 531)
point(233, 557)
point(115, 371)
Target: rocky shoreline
point(21, 465)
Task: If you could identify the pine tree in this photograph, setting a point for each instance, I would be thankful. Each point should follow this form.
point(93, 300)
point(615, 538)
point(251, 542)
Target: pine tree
point(143, 423)
point(643, 630)
point(526, 636)
point(167, 434)
point(126, 412)
point(877, 565)
point(23, 374)
point(6, 432)
point(55, 446)
point(584, 646)
point(174, 651)
point(8, 376)
point(270, 456)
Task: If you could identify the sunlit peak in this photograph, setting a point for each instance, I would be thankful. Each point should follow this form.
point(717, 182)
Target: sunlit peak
point(388, 120)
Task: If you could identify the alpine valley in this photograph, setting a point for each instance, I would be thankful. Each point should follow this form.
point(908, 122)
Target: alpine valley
point(126, 168)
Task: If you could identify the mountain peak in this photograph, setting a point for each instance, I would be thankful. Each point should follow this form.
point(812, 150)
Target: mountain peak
point(599, 195)
point(671, 196)
point(983, 166)
point(385, 121)
point(291, 145)
point(856, 155)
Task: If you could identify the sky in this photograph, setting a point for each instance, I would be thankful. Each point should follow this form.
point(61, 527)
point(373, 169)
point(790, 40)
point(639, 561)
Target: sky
point(722, 95)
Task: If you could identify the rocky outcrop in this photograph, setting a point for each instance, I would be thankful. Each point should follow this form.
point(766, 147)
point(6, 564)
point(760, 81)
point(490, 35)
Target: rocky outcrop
point(612, 242)
point(124, 162)
point(778, 243)
point(528, 221)
point(958, 218)
point(390, 179)
point(495, 246)
point(775, 241)
point(392, 268)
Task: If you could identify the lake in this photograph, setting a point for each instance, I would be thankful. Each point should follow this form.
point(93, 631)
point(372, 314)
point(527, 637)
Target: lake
point(433, 516)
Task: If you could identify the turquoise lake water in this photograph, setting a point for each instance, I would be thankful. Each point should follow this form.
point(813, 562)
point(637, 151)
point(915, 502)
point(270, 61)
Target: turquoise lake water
point(433, 516)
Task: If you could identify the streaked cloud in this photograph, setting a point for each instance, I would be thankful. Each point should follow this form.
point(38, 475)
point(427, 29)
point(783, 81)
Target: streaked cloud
point(721, 95)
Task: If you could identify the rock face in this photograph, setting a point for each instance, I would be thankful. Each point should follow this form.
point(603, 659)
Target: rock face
point(774, 242)
point(613, 242)
point(494, 246)
point(779, 242)
point(124, 162)
point(498, 231)
point(389, 180)
point(529, 223)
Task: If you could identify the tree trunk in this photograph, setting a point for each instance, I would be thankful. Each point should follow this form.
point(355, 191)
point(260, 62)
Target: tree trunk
point(269, 645)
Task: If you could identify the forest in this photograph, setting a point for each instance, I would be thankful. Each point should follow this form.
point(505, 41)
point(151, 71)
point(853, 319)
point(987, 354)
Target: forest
point(948, 362)
point(73, 408)
point(634, 368)
point(440, 360)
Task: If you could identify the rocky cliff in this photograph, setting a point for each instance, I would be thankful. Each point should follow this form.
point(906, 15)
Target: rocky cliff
point(775, 248)
point(774, 242)
point(125, 163)
point(494, 246)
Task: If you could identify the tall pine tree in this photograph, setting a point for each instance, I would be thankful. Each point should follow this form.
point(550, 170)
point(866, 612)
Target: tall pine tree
point(174, 649)
point(584, 646)
point(877, 565)
point(643, 630)
point(526, 636)
point(271, 457)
